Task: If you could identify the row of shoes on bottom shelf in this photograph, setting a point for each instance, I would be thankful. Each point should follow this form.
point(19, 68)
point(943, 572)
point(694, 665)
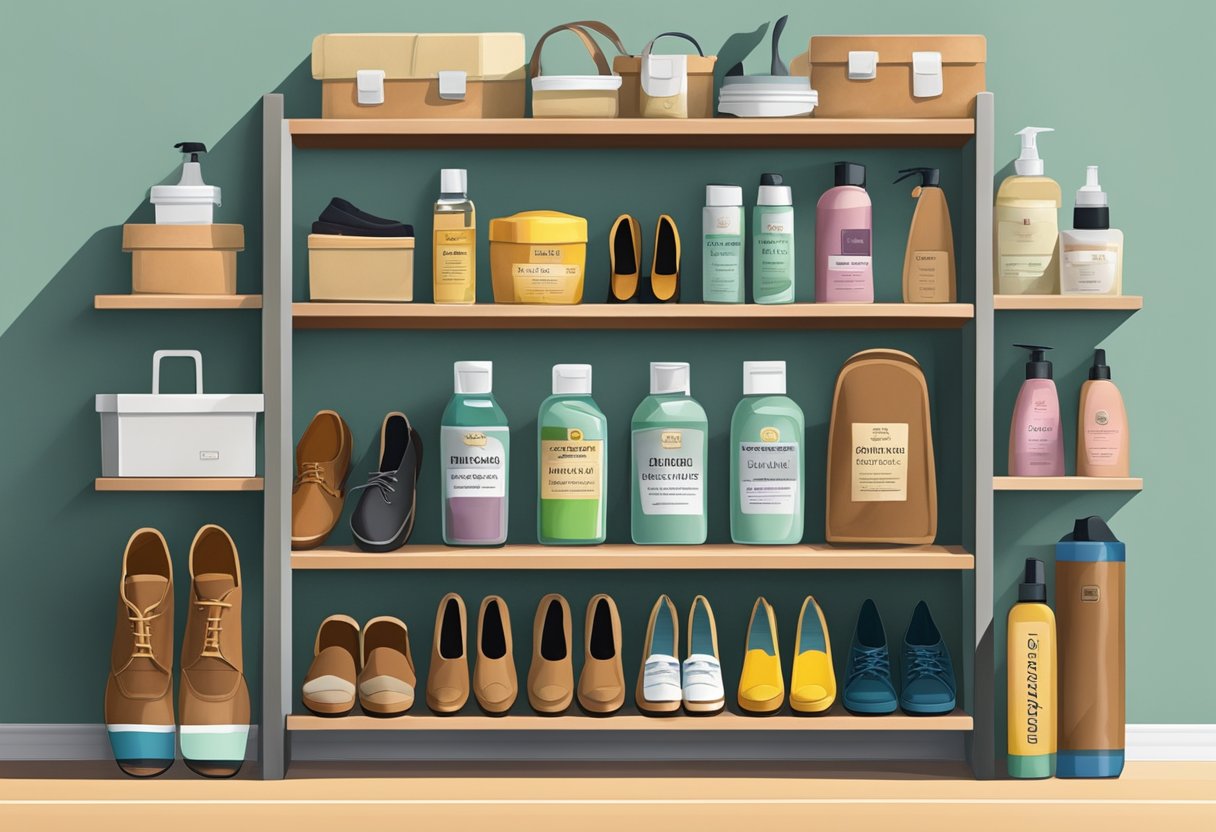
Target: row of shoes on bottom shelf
point(213, 703)
point(374, 666)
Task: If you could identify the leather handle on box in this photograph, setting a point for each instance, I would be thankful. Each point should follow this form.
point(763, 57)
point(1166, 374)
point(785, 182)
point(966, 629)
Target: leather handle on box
point(689, 38)
point(580, 27)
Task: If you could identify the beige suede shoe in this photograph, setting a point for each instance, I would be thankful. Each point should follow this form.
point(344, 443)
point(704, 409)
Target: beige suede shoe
point(551, 676)
point(329, 686)
point(601, 684)
point(387, 681)
point(494, 682)
point(447, 681)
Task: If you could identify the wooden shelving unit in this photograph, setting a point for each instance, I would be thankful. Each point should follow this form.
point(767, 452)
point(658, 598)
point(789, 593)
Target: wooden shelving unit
point(178, 484)
point(631, 316)
point(1067, 483)
point(629, 556)
point(1097, 303)
point(177, 301)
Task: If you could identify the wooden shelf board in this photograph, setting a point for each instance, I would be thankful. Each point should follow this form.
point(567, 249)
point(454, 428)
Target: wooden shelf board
point(178, 484)
point(835, 720)
point(177, 301)
point(631, 133)
point(1124, 303)
point(630, 556)
point(1067, 483)
point(631, 316)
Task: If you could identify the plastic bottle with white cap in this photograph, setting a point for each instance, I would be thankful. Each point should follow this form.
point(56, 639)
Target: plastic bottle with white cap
point(767, 462)
point(455, 227)
point(1027, 232)
point(669, 438)
point(722, 222)
point(572, 486)
point(1091, 254)
point(474, 449)
point(773, 241)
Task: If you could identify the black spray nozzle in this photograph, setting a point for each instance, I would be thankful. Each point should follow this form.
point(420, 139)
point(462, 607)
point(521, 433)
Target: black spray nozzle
point(1092, 529)
point(1038, 366)
point(1034, 582)
point(771, 179)
point(193, 148)
point(1100, 370)
point(929, 177)
point(850, 173)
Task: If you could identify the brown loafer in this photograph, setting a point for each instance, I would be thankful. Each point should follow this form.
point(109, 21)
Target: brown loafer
point(494, 682)
point(601, 685)
point(387, 681)
point(447, 681)
point(551, 676)
point(322, 464)
point(329, 685)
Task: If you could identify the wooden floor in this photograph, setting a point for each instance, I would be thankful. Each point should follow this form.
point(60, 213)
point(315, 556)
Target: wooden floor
point(896, 797)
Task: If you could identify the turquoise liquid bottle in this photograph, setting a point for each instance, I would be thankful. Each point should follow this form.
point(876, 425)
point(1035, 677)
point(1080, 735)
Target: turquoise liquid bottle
point(573, 474)
point(767, 461)
point(669, 435)
point(474, 446)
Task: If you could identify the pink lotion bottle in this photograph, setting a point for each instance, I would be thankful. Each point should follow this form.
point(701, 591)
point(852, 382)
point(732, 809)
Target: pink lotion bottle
point(844, 270)
point(1036, 441)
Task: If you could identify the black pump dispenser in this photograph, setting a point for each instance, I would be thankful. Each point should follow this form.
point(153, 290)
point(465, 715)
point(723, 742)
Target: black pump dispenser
point(1100, 370)
point(771, 179)
point(1091, 529)
point(929, 177)
point(1033, 589)
point(193, 148)
point(1038, 366)
point(850, 173)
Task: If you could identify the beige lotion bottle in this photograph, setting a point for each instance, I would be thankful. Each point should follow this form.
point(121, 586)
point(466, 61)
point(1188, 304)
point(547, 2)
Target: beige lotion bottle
point(1027, 232)
point(1091, 254)
point(455, 255)
point(1102, 437)
point(929, 275)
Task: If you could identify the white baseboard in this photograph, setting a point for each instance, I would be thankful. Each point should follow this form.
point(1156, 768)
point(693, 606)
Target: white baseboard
point(1171, 742)
point(70, 741)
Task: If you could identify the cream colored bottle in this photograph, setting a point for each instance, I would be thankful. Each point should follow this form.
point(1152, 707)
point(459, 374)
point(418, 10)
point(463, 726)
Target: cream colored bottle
point(1027, 232)
point(455, 255)
point(929, 275)
point(1102, 436)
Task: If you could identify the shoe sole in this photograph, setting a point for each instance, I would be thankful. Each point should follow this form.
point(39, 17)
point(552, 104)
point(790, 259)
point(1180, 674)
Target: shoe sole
point(547, 709)
point(704, 708)
point(330, 708)
point(214, 750)
point(372, 709)
point(870, 710)
point(659, 708)
point(765, 708)
point(143, 751)
point(817, 707)
point(445, 710)
point(927, 710)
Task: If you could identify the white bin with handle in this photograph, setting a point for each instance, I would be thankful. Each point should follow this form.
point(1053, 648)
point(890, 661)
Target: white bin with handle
point(179, 434)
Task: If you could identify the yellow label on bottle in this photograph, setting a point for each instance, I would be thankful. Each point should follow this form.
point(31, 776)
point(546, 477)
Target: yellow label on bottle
point(1032, 693)
point(1026, 240)
point(570, 468)
point(547, 282)
point(455, 265)
point(880, 462)
point(929, 277)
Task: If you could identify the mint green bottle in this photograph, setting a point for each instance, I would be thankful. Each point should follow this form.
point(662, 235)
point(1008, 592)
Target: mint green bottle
point(474, 447)
point(773, 242)
point(670, 435)
point(573, 473)
point(767, 460)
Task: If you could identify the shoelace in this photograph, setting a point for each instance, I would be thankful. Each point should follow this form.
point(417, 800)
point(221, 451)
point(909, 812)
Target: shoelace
point(383, 480)
point(701, 672)
point(141, 627)
point(926, 661)
point(871, 661)
point(211, 638)
point(313, 472)
point(661, 671)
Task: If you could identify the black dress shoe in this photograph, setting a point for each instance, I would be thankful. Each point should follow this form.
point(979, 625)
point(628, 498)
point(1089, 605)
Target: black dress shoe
point(384, 516)
point(342, 217)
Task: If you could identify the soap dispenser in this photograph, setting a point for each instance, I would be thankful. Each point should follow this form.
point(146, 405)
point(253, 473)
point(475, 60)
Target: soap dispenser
point(1036, 442)
point(1091, 254)
point(929, 275)
point(1027, 225)
point(191, 201)
point(1102, 436)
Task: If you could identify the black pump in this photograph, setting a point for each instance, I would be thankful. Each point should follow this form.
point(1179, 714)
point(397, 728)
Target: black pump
point(929, 177)
point(193, 148)
point(1100, 370)
point(1033, 588)
point(1038, 366)
point(850, 173)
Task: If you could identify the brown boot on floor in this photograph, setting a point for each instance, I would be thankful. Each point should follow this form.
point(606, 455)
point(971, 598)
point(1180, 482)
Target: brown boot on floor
point(322, 463)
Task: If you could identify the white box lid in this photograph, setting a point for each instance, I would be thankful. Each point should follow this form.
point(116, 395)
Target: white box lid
point(138, 403)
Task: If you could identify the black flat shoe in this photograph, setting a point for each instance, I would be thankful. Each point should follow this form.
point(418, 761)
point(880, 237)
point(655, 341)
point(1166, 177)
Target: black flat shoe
point(343, 217)
point(625, 256)
point(384, 516)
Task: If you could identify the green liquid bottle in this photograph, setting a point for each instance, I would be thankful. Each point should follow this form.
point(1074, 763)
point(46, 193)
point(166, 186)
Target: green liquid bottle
point(669, 436)
point(767, 460)
point(573, 476)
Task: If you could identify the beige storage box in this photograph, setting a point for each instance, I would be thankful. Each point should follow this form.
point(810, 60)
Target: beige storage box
point(349, 268)
point(577, 96)
point(671, 96)
point(897, 76)
point(420, 76)
point(183, 259)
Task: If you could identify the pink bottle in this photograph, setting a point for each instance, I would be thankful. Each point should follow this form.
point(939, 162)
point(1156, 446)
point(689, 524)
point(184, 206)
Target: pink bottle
point(844, 270)
point(1036, 438)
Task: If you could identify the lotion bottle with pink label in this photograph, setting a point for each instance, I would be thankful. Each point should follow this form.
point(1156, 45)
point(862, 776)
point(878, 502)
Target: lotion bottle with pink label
point(1036, 441)
point(1102, 437)
point(844, 270)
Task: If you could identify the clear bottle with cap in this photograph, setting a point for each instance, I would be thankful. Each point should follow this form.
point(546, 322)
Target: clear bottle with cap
point(773, 242)
point(767, 459)
point(1091, 254)
point(572, 485)
point(1027, 234)
point(454, 263)
point(1031, 674)
point(1102, 435)
point(670, 445)
point(1036, 437)
point(475, 448)
point(844, 230)
point(722, 222)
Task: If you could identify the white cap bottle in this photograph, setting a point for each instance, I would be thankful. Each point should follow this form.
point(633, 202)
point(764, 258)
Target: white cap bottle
point(669, 378)
point(764, 378)
point(1028, 162)
point(572, 379)
point(453, 182)
point(474, 377)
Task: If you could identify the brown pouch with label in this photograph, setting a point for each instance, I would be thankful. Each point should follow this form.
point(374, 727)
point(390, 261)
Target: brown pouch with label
point(882, 483)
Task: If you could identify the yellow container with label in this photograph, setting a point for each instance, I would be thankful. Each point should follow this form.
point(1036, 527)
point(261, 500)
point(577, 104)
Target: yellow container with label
point(538, 257)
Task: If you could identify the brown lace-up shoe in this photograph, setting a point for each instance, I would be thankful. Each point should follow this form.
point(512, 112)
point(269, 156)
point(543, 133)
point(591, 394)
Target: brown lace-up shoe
point(322, 463)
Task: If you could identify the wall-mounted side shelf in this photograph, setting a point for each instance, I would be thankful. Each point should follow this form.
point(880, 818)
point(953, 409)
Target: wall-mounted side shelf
point(632, 316)
point(1067, 483)
point(177, 301)
point(1097, 303)
point(628, 556)
point(178, 484)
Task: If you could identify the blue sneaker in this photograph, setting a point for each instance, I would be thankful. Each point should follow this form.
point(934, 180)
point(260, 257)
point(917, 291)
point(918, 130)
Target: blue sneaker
point(867, 686)
point(928, 674)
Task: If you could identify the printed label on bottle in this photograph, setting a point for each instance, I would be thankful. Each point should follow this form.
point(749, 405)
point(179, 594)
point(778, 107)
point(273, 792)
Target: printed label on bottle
point(1031, 705)
point(474, 461)
point(547, 282)
point(880, 462)
point(1090, 272)
point(722, 265)
point(850, 270)
point(768, 475)
point(545, 254)
point(1026, 240)
point(454, 265)
point(571, 467)
point(773, 254)
point(1042, 424)
point(670, 466)
point(929, 276)
point(1103, 440)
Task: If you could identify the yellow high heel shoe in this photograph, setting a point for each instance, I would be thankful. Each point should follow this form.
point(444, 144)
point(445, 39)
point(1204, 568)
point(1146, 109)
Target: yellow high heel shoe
point(812, 678)
point(761, 685)
point(665, 264)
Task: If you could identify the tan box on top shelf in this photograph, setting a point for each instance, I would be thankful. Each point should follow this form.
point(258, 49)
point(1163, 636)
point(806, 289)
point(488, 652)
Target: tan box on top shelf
point(897, 76)
point(421, 75)
point(349, 268)
point(183, 259)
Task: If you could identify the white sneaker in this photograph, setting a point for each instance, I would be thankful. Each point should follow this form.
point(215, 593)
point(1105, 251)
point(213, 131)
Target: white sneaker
point(703, 690)
point(658, 689)
point(661, 679)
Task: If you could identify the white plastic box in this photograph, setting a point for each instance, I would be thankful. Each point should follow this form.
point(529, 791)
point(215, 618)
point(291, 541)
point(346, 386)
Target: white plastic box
point(179, 434)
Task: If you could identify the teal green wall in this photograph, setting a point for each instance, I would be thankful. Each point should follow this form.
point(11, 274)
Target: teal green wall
point(117, 84)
